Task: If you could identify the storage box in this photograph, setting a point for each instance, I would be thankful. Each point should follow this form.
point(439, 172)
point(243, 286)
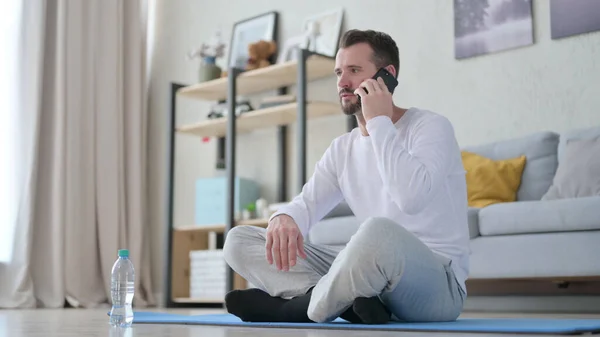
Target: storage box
point(211, 198)
point(207, 274)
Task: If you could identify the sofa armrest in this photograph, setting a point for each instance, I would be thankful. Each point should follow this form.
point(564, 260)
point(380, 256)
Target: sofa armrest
point(473, 220)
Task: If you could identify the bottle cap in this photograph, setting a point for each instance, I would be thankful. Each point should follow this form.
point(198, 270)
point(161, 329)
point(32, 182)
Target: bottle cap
point(123, 252)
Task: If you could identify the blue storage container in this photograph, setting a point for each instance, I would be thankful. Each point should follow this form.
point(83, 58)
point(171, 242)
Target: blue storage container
point(211, 198)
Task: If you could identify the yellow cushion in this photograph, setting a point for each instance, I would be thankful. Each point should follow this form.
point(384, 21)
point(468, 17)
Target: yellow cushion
point(492, 181)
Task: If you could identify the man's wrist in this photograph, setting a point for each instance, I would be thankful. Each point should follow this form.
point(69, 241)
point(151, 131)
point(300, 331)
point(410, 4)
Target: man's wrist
point(281, 217)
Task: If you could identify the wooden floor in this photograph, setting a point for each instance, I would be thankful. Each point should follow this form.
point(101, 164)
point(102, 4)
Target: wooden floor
point(94, 322)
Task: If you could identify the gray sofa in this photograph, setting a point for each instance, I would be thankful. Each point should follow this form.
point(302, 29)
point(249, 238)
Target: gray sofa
point(527, 239)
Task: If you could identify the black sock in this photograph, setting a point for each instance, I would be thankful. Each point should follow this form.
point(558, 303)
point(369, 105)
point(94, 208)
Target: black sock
point(255, 305)
point(296, 309)
point(351, 316)
point(371, 311)
point(366, 311)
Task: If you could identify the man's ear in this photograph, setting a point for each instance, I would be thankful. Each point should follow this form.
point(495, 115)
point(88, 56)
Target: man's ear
point(392, 70)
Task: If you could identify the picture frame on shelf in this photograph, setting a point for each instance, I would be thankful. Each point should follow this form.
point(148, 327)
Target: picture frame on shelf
point(289, 49)
point(247, 31)
point(323, 31)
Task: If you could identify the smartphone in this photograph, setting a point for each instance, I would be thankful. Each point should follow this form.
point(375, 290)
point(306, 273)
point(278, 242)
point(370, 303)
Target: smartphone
point(389, 79)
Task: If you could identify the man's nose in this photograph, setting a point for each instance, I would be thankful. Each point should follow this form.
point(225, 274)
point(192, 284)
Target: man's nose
point(343, 82)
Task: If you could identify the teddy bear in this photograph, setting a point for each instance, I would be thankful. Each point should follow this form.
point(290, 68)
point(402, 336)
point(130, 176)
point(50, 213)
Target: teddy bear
point(259, 53)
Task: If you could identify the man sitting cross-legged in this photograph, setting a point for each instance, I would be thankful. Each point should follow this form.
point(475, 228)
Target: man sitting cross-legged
point(401, 174)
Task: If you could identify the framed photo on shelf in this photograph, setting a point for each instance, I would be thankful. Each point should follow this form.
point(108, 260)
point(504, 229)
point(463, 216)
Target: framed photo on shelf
point(323, 31)
point(245, 32)
point(289, 50)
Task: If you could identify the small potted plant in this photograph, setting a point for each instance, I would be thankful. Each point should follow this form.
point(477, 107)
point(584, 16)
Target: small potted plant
point(208, 54)
point(249, 212)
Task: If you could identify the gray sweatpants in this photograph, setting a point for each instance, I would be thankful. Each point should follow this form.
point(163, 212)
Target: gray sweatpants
point(381, 259)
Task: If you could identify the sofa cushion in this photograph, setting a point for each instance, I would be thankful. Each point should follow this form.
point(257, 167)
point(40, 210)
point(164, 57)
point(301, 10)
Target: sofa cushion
point(491, 181)
point(583, 133)
point(334, 230)
point(541, 151)
point(549, 255)
point(578, 173)
point(522, 217)
point(338, 230)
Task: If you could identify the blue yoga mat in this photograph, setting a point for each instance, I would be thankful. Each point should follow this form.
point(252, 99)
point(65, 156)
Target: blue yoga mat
point(490, 325)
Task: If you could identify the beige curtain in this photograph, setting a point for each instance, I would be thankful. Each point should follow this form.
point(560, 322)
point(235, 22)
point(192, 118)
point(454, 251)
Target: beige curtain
point(83, 92)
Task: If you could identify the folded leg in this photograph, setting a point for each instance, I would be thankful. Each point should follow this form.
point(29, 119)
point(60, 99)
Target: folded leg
point(383, 259)
point(244, 252)
point(280, 296)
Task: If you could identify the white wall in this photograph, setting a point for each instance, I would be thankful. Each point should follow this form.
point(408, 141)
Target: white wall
point(551, 85)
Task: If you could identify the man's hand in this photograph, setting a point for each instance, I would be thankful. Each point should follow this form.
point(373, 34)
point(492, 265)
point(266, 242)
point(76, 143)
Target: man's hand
point(284, 241)
point(378, 102)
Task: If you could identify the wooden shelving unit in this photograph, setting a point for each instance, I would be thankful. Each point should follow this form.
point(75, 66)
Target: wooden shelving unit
point(259, 119)
point(193, 237)
point(220, 228)
point(183, 239)
point(263, 79)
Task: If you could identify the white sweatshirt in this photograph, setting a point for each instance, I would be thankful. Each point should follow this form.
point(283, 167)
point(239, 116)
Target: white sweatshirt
point(410, 172)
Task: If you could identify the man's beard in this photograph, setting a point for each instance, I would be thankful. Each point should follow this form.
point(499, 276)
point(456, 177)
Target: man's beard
point(350, 109)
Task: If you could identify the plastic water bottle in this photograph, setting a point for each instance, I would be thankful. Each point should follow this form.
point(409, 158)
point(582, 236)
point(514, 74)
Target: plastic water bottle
point(122, 289)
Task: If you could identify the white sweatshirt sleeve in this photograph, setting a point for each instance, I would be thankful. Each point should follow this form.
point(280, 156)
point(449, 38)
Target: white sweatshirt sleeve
point(414, 177)
point(319, 195)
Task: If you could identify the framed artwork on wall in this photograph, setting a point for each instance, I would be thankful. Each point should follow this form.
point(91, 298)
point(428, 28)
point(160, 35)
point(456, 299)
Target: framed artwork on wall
point(568, 17)
point(489, 26)
point(245, 32)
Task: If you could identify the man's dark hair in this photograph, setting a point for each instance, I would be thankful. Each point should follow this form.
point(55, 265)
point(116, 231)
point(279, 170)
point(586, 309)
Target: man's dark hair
point(385, 50)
